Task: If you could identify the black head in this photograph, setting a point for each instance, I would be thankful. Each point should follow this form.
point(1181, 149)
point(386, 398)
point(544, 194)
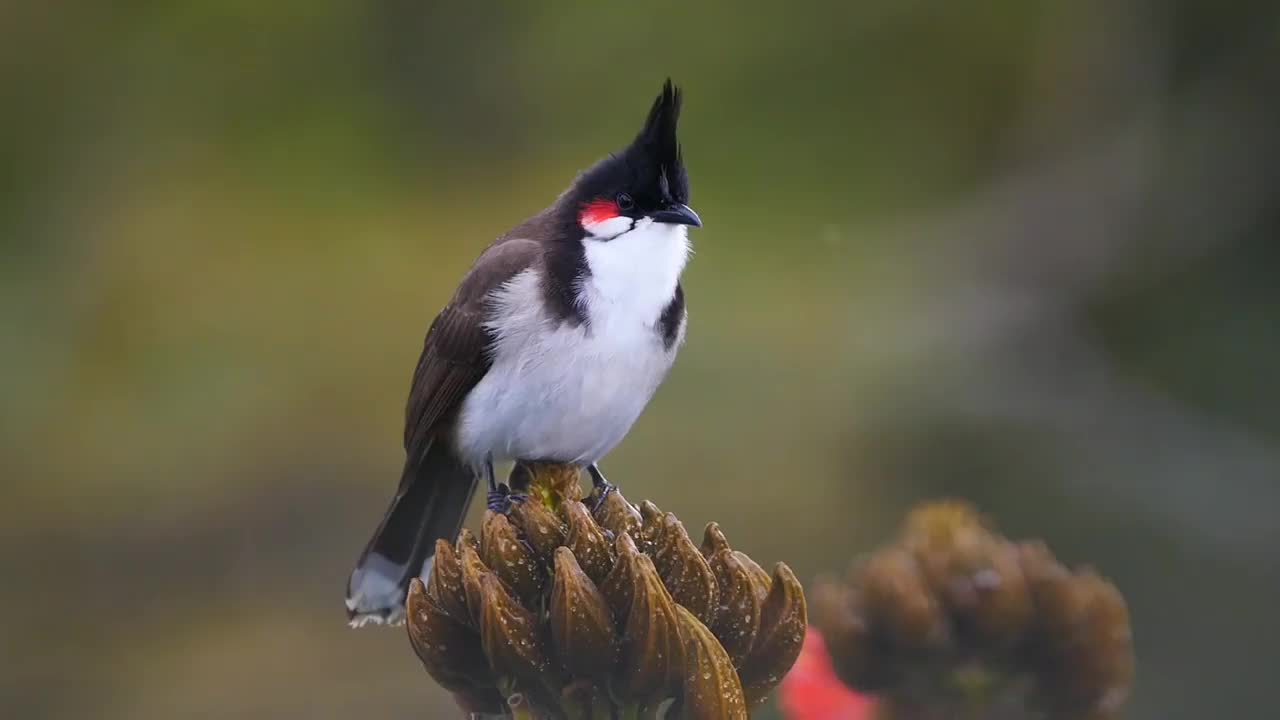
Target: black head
point(647, 179)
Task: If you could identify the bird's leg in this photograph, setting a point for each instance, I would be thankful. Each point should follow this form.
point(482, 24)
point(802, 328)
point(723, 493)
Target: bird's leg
point(497, 498)
point(518, 481)
point(521, 476)
point(599, 486)
point(500, 496)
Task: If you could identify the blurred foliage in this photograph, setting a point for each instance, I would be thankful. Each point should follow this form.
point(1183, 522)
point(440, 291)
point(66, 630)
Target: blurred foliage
point(1018, 252)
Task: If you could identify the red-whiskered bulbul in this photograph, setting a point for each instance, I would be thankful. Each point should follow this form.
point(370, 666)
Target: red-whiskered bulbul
point(549, 350)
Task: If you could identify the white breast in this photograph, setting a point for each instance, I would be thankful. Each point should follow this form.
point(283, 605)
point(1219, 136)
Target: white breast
point(563, 392)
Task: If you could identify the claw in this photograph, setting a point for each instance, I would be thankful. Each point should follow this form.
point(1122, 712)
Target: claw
point(599, 486)
point(500, 499)
point(601, 492)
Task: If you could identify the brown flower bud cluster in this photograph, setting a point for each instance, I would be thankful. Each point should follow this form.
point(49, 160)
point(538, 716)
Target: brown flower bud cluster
point(557, 612)
point(957, 621)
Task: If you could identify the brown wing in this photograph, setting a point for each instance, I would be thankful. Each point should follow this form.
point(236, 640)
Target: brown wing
point(453, 360)
point(455, 353)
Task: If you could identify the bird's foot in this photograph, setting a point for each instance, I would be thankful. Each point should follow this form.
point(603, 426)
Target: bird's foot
point(600, 487)
point(501, 498)
point(600, 492)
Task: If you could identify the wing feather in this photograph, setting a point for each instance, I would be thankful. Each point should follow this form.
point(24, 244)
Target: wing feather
point(456, 352)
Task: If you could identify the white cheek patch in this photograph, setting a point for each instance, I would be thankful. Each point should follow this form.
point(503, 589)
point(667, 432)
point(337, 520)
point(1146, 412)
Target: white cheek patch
point(608, 228)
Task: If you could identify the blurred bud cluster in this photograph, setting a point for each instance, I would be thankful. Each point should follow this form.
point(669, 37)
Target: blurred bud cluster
point(559, 612)
point(955, 620)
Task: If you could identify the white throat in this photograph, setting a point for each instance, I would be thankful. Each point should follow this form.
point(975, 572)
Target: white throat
point(633, 276)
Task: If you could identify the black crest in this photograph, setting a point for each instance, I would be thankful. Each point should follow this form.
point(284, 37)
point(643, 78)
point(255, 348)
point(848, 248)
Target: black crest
point(657, 144)
point(650, 169)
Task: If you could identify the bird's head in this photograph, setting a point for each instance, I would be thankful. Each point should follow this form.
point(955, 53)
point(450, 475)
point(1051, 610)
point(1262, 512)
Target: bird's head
point(643, 184)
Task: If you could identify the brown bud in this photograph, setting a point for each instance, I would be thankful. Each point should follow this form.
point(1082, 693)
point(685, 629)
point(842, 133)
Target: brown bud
point(713, 540)
point(1100, 664)
point(933, 524)
point(1061, 602)
point(1003, 610)
point(897, 596)
point(620, 582)
point(473, 571)
point(581, 624)
point(1111, 659)
point(556, 612)
point(856, 657)
point(449, 650)
point(933, 530)
point(959, 620)
point(514, 563)
point(444, 585)
point(684, 571)
point(1083, 638)
point(594, 551)
point(760, 581)
point(652, 654)
point(618, 516)
point(737, 617)
point(651, 526)
point(783, 619)
point(541, 526)
point(711, 686)
point(951, 559)
point(975, 573)
point(468, 538)
point(509, 636)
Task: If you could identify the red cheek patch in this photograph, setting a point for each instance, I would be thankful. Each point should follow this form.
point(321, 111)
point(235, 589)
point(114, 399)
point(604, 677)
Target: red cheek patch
point(597, 211)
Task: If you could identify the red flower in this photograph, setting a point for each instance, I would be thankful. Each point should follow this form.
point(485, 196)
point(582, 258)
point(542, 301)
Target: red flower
point(811, 691)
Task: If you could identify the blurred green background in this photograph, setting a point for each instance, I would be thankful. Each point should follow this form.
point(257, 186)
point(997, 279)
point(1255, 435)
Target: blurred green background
point(1023, 253)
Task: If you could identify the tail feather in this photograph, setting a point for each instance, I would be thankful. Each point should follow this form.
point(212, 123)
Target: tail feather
point(430, 504)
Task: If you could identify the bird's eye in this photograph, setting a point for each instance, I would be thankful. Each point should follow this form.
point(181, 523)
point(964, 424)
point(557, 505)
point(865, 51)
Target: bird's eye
point(625, 202)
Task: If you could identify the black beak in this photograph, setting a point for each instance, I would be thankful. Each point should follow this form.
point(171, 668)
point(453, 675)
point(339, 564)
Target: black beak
point(678, 214)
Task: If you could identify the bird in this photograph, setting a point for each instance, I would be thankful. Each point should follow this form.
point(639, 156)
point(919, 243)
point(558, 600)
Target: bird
point(548, 351)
